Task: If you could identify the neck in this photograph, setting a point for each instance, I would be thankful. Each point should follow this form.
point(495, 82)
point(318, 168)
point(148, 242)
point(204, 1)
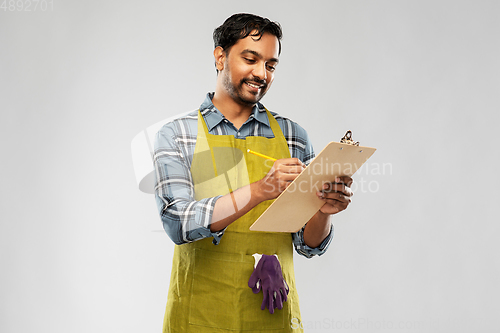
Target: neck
point(234, 112)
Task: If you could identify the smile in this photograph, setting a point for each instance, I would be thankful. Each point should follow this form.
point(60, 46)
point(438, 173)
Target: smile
point(255, 86)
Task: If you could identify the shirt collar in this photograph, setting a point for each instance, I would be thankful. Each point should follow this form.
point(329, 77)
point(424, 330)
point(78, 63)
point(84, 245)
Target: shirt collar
point(213, 116)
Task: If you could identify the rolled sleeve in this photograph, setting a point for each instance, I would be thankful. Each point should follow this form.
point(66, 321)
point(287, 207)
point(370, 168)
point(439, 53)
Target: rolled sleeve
point(184, 219)
point(303, 249)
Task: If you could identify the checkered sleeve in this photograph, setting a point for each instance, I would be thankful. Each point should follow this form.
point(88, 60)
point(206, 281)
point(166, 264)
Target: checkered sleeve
point(184, 219)
point(309, 252)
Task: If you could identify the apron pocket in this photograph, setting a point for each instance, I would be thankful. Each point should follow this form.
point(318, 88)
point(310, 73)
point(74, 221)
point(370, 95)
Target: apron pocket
point(221, 297)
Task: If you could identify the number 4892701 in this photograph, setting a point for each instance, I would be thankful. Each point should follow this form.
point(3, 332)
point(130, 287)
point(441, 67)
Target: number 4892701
point(27, 5)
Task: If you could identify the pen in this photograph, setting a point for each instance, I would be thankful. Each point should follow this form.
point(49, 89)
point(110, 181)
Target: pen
point(261, 155)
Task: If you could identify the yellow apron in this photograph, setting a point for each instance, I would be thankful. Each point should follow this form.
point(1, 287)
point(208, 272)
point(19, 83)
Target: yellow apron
point(209, 283)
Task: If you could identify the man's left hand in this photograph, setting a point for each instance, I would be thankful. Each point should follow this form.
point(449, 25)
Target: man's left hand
point(336, 195)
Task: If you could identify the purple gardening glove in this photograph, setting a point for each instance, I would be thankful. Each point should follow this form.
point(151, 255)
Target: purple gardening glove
point(268, 276)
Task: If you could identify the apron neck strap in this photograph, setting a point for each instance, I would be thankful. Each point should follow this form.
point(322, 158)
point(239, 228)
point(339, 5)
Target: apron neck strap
point(275, 127)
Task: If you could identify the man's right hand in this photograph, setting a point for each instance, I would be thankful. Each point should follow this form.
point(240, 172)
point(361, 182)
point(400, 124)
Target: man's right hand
point(282, 173)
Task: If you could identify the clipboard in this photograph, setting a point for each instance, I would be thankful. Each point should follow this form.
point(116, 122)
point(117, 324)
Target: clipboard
point(291, 210)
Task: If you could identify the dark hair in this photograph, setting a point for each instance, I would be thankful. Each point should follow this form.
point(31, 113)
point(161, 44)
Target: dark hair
point(240, 26)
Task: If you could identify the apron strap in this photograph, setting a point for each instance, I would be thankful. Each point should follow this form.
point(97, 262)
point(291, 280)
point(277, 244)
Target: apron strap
point(202, 139)
point(275, 127)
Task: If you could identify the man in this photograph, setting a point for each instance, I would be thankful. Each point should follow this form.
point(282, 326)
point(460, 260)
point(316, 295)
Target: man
point(209, 191)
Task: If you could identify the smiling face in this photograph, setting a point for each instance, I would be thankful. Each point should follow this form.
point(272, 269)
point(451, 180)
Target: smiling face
point(247, 69)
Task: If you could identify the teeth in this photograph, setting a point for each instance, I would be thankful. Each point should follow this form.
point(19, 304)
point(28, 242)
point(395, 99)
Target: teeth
point(253, 85)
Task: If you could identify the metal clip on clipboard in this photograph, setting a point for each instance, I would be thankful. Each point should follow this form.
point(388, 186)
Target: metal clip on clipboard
point(347, 139)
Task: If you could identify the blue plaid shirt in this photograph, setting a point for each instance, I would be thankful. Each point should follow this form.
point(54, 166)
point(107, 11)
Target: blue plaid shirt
point(187, 220)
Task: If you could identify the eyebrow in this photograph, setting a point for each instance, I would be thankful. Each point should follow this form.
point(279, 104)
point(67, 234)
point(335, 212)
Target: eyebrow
point(258, 55)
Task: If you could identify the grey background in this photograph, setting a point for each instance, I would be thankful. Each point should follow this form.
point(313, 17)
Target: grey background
point(80, 246)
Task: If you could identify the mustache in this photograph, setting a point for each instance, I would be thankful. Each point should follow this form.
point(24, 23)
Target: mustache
point(255, 80)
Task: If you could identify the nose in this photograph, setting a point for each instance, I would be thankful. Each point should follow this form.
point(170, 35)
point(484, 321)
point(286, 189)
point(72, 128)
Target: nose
point(259, 71)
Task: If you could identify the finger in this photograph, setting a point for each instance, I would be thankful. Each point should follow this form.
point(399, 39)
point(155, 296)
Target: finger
point(284, 174)
point(253, 280)
point(347, 180)
point(290, 161)
point(279, 302)
point(265, 300)
point(284, 294)
point(256, 287)
point(291, 168)
point(271, 302)
point(287, 177)
point(344, 179)
point(338, 197)
point(285, 291)
point(337, 187)
point(331, 197)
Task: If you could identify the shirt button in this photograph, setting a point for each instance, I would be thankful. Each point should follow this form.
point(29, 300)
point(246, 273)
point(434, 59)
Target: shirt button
point(238, 133)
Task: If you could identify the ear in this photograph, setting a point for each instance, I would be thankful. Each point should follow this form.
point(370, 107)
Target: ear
point(220, 58)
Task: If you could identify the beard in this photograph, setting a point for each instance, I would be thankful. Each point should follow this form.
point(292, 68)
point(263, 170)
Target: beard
point(237, 91)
